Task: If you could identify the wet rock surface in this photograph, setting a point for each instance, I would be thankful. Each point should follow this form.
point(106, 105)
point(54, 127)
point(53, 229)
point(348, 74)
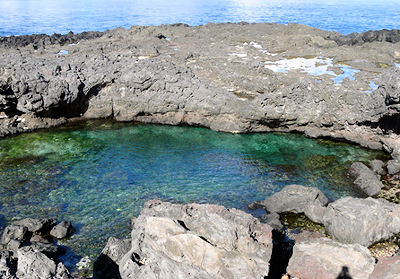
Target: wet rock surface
point(197, 241)
point(228, 77)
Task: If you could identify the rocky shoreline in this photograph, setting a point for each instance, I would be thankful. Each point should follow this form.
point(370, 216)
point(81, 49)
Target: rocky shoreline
point(227, 77)
point(236, 78)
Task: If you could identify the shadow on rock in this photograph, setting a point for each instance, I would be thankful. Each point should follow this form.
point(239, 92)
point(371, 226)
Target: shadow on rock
point(105, 268)
point(281, 252)
point(344, 274)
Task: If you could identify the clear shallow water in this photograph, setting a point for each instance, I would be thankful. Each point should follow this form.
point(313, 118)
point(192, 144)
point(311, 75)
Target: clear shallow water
point(99, 174)
point(48, 16)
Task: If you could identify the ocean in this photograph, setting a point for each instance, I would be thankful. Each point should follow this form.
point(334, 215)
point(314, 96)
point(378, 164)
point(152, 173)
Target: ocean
point(21, 17)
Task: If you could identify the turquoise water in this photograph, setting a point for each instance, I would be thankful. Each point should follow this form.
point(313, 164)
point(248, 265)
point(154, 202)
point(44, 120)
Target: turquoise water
point(48, 16)
point(99, 174)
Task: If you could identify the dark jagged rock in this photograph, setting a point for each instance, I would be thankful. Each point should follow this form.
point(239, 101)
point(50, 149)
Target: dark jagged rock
point(15, 232)
point(8, 265)
point(42, 40)
point(197, 241)
point(42, 226)
point(107, 264)
point(49, 250)
point(390, 36)
point(34, 256)
point(366, 180)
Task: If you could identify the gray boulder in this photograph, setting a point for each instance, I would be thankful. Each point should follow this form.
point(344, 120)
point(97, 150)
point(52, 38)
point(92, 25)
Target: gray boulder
point(42, 226)
point(49, 250)
point(378, 167)
point(366, 180)
point(197, 241)
point(107, 264)
point(62, 230)
point(362, 221)
point(393, 166)
point(293, 198)
point(14, 232)
point(387, 268)
point(317, 258)
point(273, 220)
point(36, 265)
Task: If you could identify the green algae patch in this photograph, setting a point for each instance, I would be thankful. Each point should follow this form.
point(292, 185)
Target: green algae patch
point(382, 65)
point(243, 95)
point(383, 249)
point(304, 56)
point(301, 222)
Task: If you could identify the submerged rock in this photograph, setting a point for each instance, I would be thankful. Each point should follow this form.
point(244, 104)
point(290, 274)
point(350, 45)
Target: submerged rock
point(317, 258)
point(197, 241)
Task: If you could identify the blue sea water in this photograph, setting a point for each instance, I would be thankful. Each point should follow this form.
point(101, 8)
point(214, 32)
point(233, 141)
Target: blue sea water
point(19, 17)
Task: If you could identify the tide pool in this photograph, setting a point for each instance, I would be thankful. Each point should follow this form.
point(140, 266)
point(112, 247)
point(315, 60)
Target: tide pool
point(98, 174)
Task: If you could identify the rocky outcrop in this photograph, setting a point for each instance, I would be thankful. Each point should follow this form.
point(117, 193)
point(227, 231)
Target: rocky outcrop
point(325, 258)
point(166, 75)
point(197, 241)
point(29, 253)
point(391, 36)
point(43, 40)
point(348, 220)
point(366, 180)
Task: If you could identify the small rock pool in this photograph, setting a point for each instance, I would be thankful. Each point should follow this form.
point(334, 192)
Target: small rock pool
point(98, 174)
